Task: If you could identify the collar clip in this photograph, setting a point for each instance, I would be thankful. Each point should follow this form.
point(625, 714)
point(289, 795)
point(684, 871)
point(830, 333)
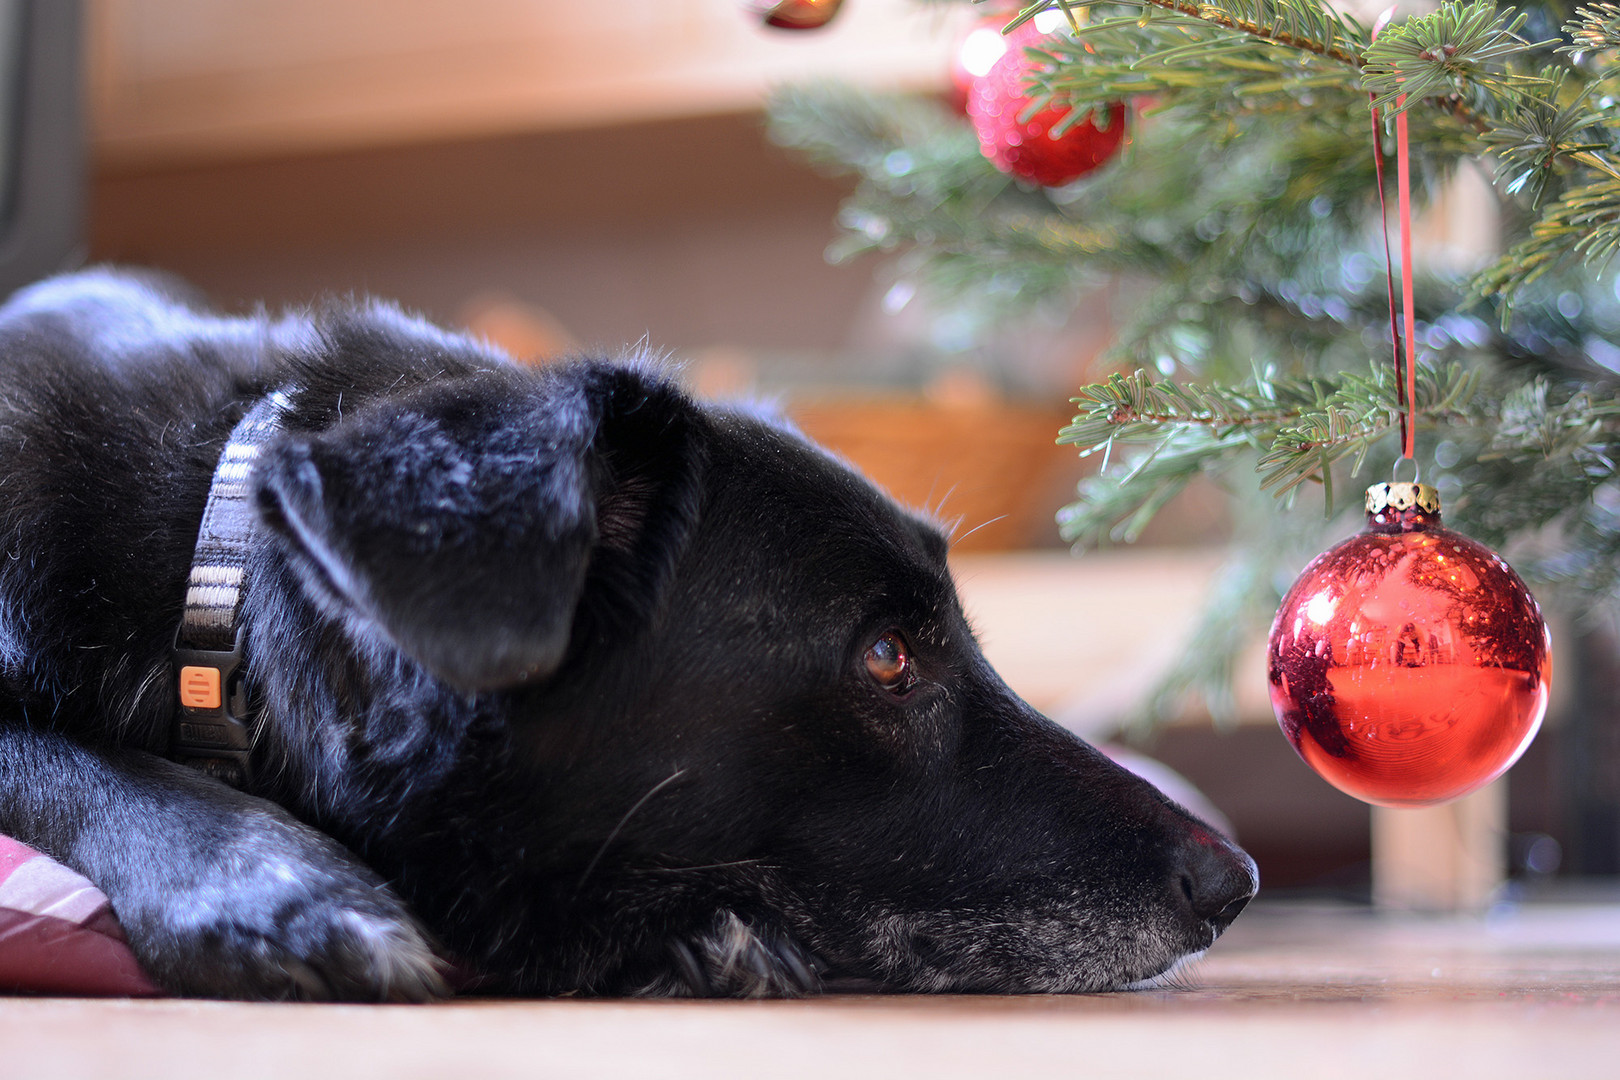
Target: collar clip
point(210, 730)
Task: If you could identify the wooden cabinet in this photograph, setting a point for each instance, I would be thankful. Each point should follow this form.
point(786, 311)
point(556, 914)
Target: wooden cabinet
point(177, 80)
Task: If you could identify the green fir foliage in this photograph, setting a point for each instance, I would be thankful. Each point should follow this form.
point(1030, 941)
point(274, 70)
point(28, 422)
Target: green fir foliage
point(1245, 214)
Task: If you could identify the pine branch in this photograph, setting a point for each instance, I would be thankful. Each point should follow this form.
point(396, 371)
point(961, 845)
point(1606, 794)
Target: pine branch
point(1463, 59)
point(1532, 423)
point(1595, 28)
point(1451, 59)
point(1187, 208)
point(1301, 25)
point(1188, 64)
point(1116, 508)
point(1356, 414)
point(1531, 143)
point(1134, 408)
point(1302, 427)
point(1544, 467)
point(1583, 224)
point(1440, 54)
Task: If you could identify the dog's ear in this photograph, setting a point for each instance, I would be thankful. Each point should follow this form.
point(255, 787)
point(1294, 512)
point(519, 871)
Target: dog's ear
point(463, 520)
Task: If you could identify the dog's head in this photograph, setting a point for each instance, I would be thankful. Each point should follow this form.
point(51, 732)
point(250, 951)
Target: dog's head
point(704, 712)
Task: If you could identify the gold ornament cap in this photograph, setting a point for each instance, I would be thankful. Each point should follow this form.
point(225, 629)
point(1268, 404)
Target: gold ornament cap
point(1401, 507)
point(1403, 496)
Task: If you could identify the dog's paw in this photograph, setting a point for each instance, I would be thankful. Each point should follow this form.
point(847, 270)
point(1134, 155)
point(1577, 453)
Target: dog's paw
point(736, 958)
point(277, 912)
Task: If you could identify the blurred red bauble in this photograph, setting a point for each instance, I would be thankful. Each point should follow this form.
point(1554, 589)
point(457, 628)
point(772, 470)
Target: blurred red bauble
point(972, 55)
point(1409, 665)
point(1026, 148)
point(795, 14)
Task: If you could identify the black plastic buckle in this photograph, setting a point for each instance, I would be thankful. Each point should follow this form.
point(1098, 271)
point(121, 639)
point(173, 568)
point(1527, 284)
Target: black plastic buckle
point(210, 730)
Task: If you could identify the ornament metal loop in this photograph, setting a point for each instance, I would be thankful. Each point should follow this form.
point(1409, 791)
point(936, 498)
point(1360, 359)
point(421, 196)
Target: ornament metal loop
point(1395, 471)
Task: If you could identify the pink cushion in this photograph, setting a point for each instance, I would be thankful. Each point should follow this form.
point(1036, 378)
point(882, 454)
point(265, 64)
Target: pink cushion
point(58, 934)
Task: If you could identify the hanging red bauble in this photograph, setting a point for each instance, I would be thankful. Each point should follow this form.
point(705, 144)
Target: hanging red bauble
point(1409, 665)
point(1025, 147)
point(972, 55)
point(795, 14)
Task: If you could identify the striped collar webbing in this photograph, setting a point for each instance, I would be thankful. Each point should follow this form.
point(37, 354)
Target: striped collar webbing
point(210, 726)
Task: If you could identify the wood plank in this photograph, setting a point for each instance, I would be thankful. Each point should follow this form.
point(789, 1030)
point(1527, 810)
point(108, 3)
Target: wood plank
point(198, 79)
point(1290, 992)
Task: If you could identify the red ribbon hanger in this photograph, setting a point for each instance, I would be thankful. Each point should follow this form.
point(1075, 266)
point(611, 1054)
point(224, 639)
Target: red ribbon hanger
point(1405, 382)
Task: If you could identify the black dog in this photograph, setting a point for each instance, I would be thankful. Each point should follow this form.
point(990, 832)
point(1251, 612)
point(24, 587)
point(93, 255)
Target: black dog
point(552, 673)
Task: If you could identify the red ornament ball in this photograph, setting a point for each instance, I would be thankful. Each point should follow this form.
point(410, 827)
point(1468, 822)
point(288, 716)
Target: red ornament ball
point(1409, 665)
point(795, 14)
point(1026, 148)
point(973, 54)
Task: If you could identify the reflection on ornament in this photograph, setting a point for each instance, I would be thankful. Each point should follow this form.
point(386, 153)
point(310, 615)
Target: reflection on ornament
point(795, 14)
point(1409, 665)
point(972, 57)
point(980, 50)
point(1025, 146)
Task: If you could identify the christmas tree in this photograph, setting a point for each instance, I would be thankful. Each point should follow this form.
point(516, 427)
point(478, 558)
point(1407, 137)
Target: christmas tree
point(1247, 208)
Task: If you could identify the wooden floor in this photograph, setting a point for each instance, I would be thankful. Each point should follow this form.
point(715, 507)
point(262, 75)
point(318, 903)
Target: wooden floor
point(1292, 991)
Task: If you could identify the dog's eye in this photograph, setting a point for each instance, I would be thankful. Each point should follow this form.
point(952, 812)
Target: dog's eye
point(888, 662)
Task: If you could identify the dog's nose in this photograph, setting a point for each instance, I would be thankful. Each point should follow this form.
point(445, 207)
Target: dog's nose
point(1217, 879)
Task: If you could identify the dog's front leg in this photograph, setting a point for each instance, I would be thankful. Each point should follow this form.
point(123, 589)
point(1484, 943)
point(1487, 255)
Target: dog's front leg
point(735, 957)
point(221, 894)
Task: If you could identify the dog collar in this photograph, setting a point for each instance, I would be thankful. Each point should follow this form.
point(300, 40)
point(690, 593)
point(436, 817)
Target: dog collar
point(210, 730)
